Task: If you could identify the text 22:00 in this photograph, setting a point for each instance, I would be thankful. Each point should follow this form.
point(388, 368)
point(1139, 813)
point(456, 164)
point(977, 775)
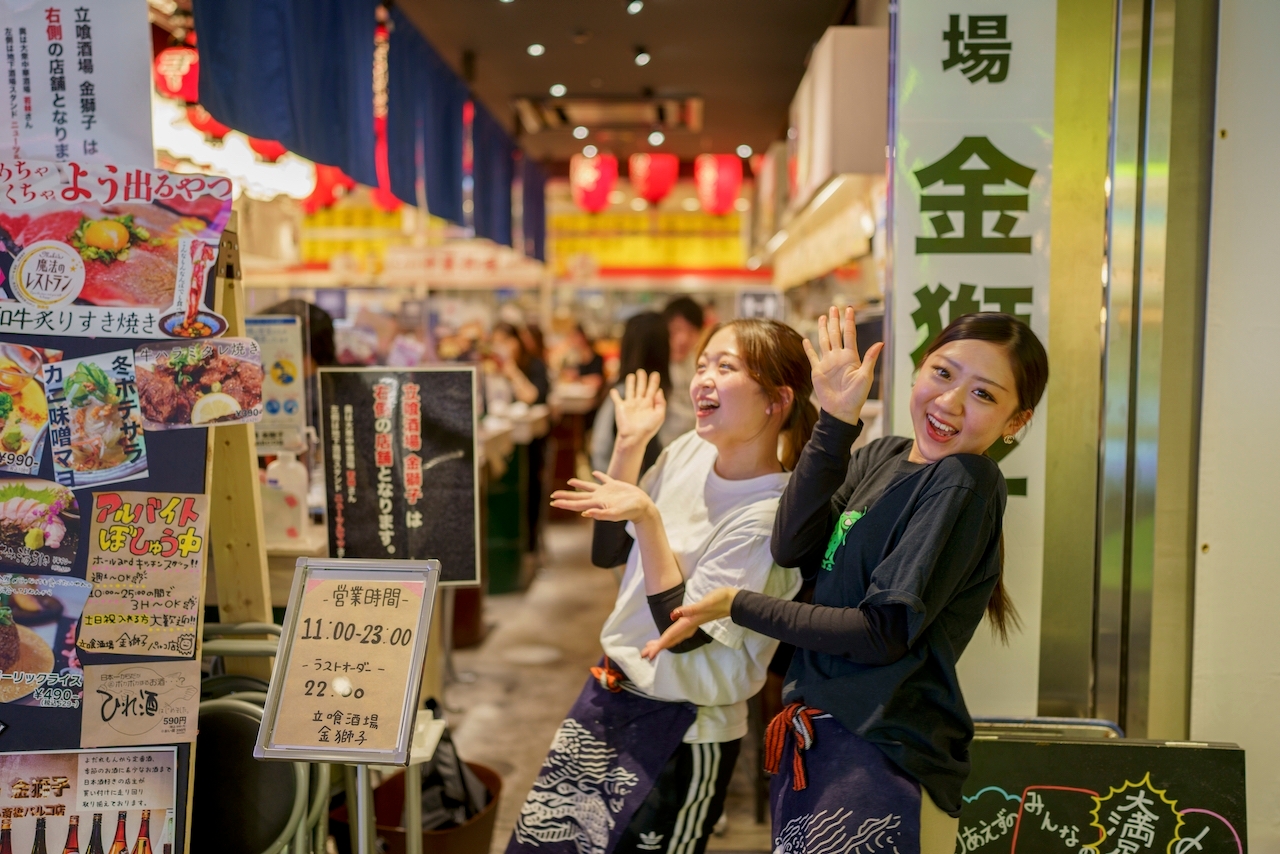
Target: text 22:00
point(311, 630)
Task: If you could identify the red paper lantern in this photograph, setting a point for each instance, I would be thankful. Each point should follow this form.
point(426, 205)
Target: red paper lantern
point(591, 179)
point(653, 175)
point(331, 184)
point(718, 178)
point(177, 73)
point(268, 149)
point(200, 119)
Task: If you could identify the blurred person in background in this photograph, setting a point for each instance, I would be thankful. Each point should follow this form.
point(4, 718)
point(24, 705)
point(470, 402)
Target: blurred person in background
point(684, 327)
point(582, 363)
point(527, 374)
point(526, 371)
point(645, 346)
point(534, 341)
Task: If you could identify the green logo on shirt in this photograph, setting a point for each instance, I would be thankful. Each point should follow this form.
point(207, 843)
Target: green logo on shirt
point(845, 522)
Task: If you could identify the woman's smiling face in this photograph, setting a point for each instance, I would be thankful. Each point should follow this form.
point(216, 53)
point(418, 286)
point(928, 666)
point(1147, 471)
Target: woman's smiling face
point(730, 405)
point(964, 400)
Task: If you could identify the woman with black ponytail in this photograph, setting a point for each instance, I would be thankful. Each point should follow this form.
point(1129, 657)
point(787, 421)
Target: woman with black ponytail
point(904, 540)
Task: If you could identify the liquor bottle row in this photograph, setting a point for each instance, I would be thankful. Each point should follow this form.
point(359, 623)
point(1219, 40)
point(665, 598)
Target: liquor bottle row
point(119, 845)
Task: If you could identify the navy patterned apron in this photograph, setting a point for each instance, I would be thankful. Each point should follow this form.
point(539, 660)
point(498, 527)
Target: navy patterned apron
point(603, 762)
point(835, 792)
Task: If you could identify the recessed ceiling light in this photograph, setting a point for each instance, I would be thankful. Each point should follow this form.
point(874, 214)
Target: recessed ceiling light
point(505, 1)
point(559, 90)
point(536, 49)
point(580, 132)
point(590, 151)
point(633, 8)
point(690, 204)
point(642, 56)
point(744, 151)
point(639, 204)
point(657, 138)
point(617, 197)
point(741, 205)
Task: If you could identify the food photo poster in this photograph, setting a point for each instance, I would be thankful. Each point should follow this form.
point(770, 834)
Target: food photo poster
point(113, 365)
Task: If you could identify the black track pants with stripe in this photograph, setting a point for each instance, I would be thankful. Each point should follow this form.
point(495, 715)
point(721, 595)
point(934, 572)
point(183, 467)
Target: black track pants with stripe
point(685, 802)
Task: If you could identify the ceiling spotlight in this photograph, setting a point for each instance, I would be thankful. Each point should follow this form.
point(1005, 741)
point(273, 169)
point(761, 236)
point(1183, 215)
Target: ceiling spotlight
point(638, 204)
point(535, 49)
point(580, 132)
point(690, 204)
point(657, 138)
point(559, 90)
point(744, 151)
point(741, 204)
point(505, 1)
point(642, 56)
point(590, 151)
point(633, 8)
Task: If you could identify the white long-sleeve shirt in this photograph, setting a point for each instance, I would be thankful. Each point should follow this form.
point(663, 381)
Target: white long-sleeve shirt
point(719, 531)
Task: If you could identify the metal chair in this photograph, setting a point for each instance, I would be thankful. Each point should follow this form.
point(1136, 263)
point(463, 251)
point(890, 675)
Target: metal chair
point(307, 828)
point(258, 792)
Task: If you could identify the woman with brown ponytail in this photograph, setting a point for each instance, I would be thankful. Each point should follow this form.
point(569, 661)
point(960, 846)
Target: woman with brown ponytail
point(643, 761)
point(904, 539)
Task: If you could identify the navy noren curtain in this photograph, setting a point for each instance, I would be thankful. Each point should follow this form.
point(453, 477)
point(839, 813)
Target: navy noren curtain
point(424, 116)
point(296, 71)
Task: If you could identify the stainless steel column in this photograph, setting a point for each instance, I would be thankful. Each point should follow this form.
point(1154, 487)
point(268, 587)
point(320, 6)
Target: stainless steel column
point(1137, 444)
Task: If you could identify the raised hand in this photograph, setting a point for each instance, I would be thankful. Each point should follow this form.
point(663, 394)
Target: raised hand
point(841, 381)
point(640, 412)
point(714, 606)
point(610, 500)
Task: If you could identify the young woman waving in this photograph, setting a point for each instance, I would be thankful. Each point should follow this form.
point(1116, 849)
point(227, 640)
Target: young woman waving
point(643, 761)
point(905, 542)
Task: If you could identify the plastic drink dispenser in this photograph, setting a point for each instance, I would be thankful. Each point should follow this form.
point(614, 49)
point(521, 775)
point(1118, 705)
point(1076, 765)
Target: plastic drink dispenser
point(284, 501)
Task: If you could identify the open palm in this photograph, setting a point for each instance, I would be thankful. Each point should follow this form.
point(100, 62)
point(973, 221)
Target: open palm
point(639, 412)
point(841, 380)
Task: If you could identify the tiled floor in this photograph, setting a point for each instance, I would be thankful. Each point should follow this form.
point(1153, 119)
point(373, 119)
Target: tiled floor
point(514, 689)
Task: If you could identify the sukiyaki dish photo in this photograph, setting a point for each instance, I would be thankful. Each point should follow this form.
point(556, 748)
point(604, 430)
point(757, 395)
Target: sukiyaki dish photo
point(200, 384)
point(130, 251)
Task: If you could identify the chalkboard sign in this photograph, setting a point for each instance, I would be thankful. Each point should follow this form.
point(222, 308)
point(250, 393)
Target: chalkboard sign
point(1026, 796)
point(400, 466)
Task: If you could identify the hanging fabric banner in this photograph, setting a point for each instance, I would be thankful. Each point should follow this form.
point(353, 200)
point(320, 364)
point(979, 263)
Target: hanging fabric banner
point(972, 153)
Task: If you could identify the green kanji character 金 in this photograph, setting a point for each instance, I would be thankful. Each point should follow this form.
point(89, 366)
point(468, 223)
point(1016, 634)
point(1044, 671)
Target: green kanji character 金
point(974, 202)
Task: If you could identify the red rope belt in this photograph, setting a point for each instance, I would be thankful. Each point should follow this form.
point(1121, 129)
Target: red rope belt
point(796, 719)
point(608, 676)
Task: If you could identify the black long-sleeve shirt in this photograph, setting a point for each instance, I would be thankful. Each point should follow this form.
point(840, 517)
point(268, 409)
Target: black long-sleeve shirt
point(884, 536)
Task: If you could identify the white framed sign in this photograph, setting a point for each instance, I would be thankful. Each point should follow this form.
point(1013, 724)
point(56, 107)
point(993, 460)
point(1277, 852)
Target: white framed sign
point(346, 681)
point(765, 303)
point(77, 81)
point(284, 389)
point(971, 167)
